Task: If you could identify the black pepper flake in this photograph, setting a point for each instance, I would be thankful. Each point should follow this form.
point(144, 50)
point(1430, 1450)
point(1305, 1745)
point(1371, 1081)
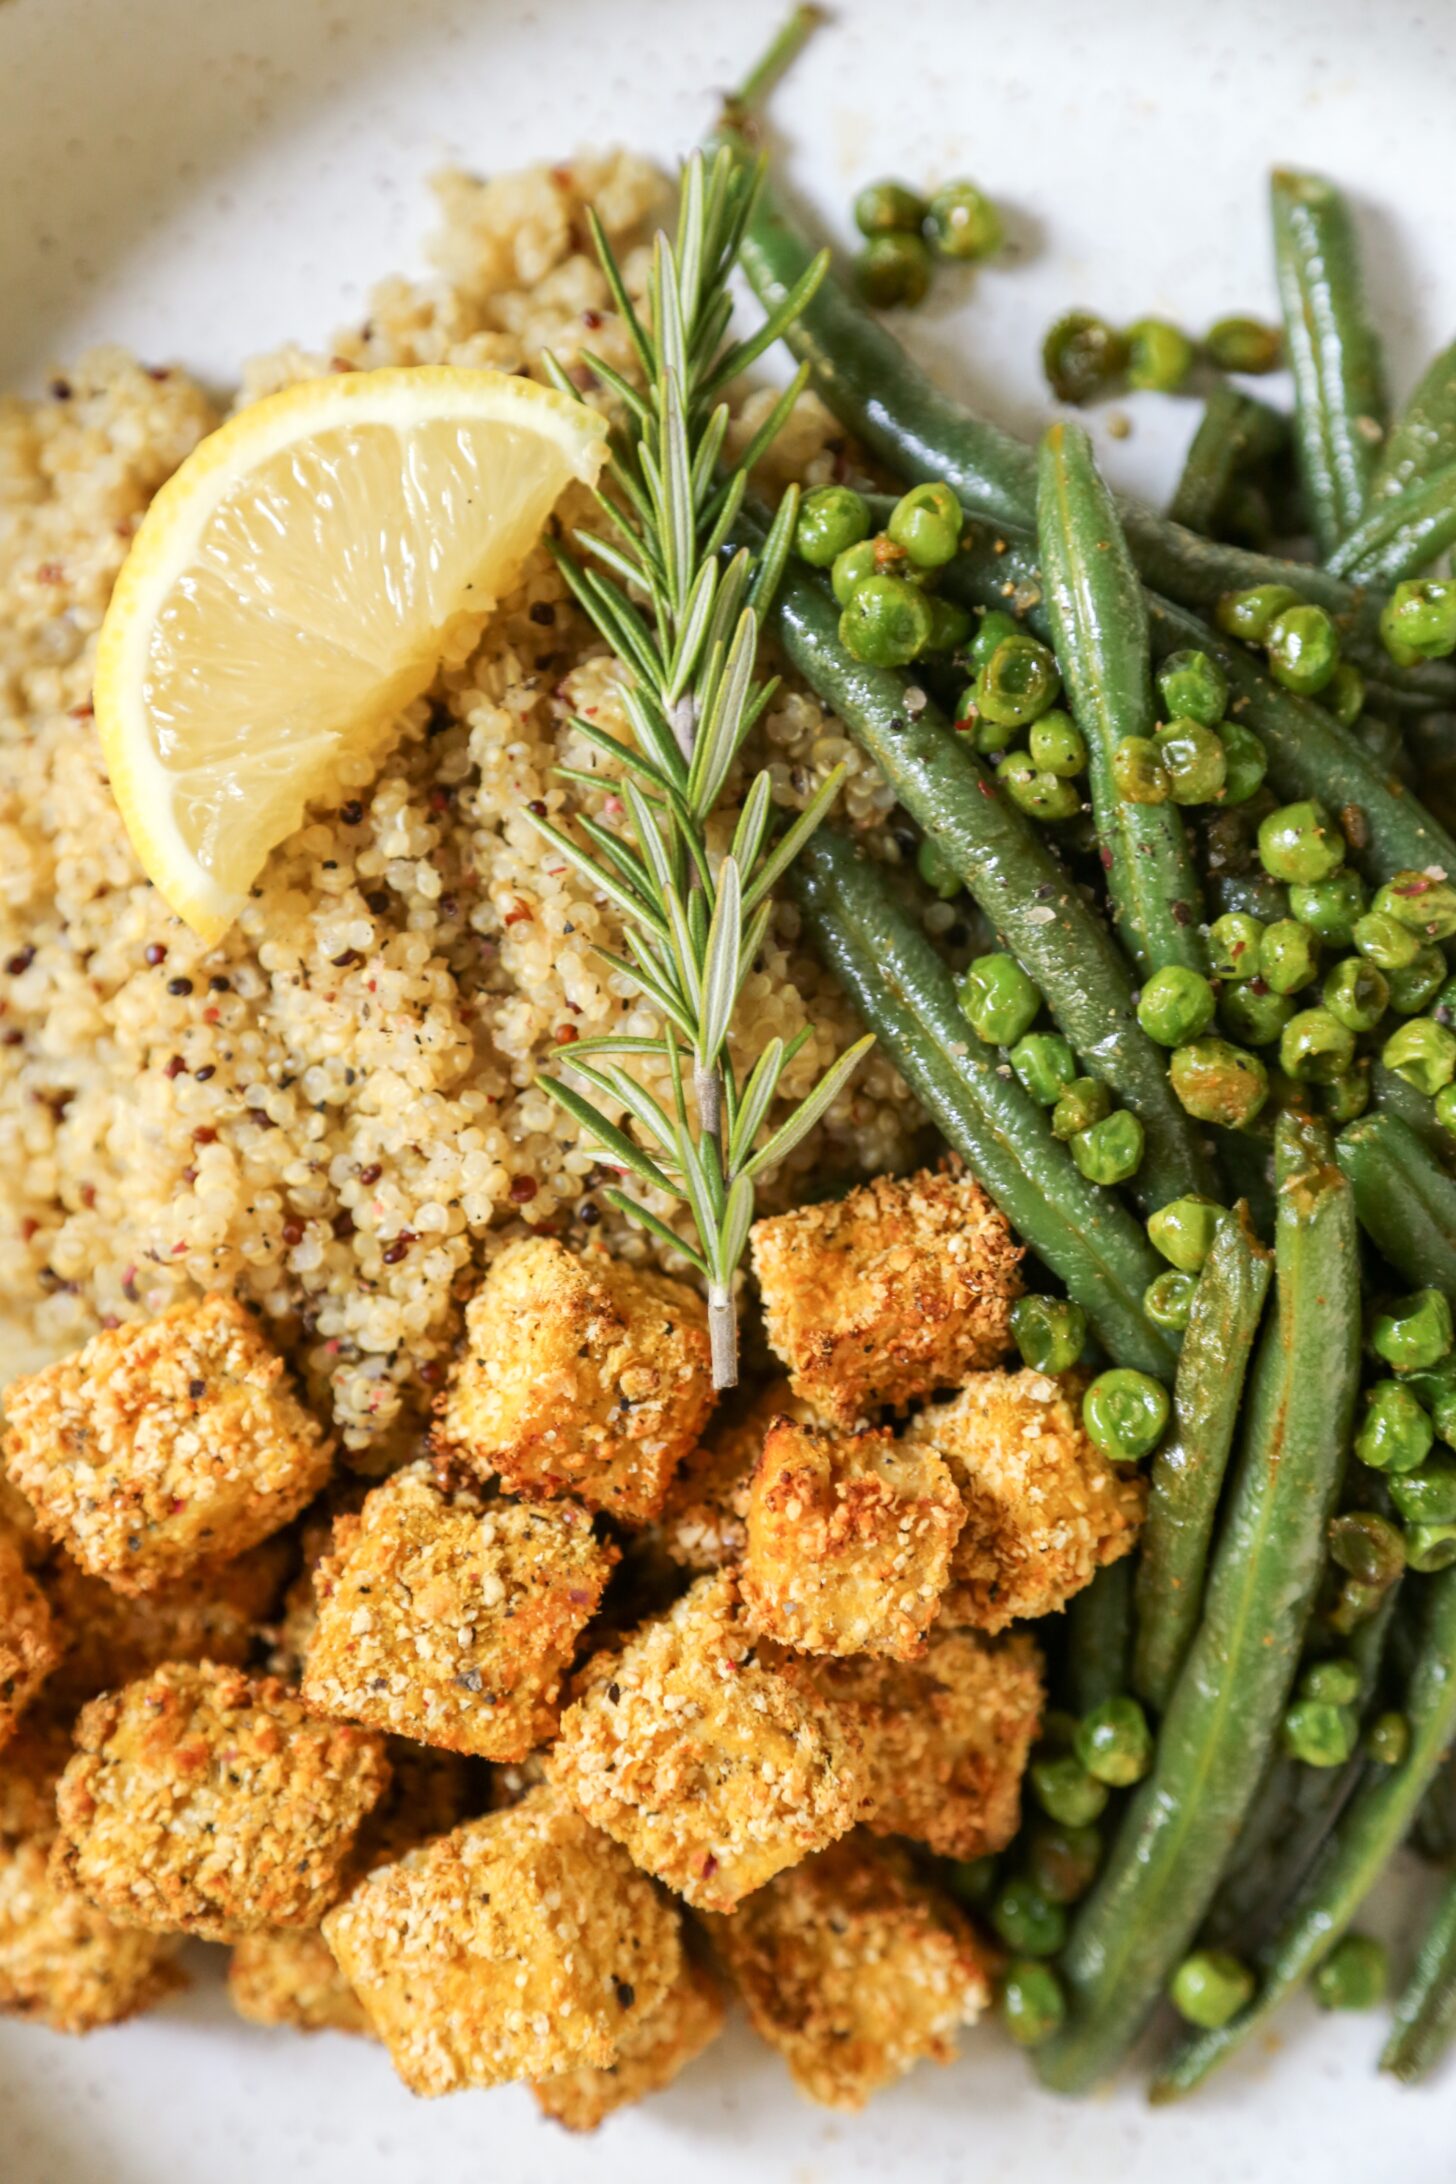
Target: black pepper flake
point(378, 900)
point(156, 953)
point(470, 1679)
point(208, 1069)
point(370, 1175)
point(179, 986)
point(589, 1215)
point(20, 962)
point(347, 960)
point(614, 1692)
point(352, 812)
point(537, 807)
point(626, 1992)
point(61, 390)
point(218, 984)
point(394, 1252)
point(542, 611)
point(197, 1389)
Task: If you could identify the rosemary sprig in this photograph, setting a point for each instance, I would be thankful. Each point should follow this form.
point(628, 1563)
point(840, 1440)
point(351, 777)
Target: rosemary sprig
point(683, 621)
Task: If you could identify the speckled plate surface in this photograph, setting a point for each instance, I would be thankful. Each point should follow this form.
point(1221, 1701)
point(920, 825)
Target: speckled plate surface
point(204, 180)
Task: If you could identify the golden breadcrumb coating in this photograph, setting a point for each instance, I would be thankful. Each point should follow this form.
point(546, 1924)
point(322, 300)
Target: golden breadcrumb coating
point(903, 1287)
point(202, 1801)
point(659, 2044)
point(452, 1620)
point(218, 1612)
point(854, 1970)
point(581, 1376)
point(849, 1540)
point(704, 1520)
point(30, 1644)
point(1044, 1509)
point(714, 1770)
point(946, 1737)
point(520, 1945)
point(163, 1444)
point(62, 1962)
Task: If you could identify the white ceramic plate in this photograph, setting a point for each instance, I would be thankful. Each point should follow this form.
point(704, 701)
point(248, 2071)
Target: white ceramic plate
point(202, 178)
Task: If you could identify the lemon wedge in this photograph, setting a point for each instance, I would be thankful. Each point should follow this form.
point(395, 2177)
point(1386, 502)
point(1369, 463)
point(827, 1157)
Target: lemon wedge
point(295, 584)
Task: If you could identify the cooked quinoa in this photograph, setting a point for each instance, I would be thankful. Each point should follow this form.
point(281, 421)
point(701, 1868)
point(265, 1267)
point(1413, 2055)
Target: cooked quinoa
point(333, 1112)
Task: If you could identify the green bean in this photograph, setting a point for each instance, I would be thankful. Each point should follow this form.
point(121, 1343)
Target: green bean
point(900, 985)
point(1235, 432)
point(1401, 535)
point(1423, 438)
point(1339, 392)
point(1391, 1095)
point(1188, 1471)
point(1434, 1834)
point(1425, 2015)
point(1225, 1710)
point(1095, 604)
point(1369, 1830)
point(1025, 891)
point(1098, 1637)
point(1405, 1199)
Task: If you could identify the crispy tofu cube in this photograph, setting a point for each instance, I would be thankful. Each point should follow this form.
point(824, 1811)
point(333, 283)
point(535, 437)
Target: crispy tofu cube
point(581, 1376)
point(704, 1520)
point(849, 1540)
point(659, 2044)
point(216, 1613)
point(947, 1738)
point(901, 1288)
point(715, 1770)
point(452, 1620)
point(1044, 1508)
point(518, 1946)
point(62, 1962)
point(29, 1641)
point(854, 1970)
point(163, 1444)
point(202, 1801)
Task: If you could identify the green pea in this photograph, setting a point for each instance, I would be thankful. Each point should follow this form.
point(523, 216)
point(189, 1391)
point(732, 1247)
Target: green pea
point(1332, 907)
point(1418, 621)
point(926, 524)
point(1044, 796)
point(1082, 356)
point(1124, 1413)
point(1357, 1604)
point(1111, 1150)
point(1315, 1046)
point(1219, 1083)
point(1368, 1545)
point(1245, 762)
point(1304, 649)
point(1337, 1681)
point(936, 869)
point(1063, 1861)
point(888, 207)
point(892, 270)
point(887, 622)
point(1193, 760)
point(1424, 1053)
point(1354, 1976)
point(1018, 683)
point(1085, 1101)
point(1193, 686)
point(1430, 1547)
point(1243, 345)
point(1210, 1987)
point(1300, 842)
point(1184, 1229)
point(1435, 1390)
point(1345, 1098)
point(1422, 904)
point(1233, 945)
point(1033, 2006)
point(1056, 745)
point(1159, 356)
point(1175, 1005)
point(992, 736)
point(832, 518)
point(1319, 1734)
point(1114, 1741)
point(1446, 1108)
point(950, 626)
point(852, 568)
point(1050, 1332)
point(1168, 1299)
point(962, 222)
point(1066, 1792)
point(1253, 1014)
point(1250, 615)
point(1046, 1065)
point(1395, 1433)
point(1387, 1740)
point(1414, 984)
point(1027, 1922)
point(1356, 994)
point(998, 1000)
point(1138, 771)
point(1384, 942)
point(1414, 1334)
point(973, 1881)
point(1427, 1495)
point(1344, 694)
point(1288, 956)
point(992, 630)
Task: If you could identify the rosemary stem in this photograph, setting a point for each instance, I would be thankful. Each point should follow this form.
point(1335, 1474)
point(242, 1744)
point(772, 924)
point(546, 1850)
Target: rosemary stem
point(723, 1335)
point(708, 1091)
point(787, 44)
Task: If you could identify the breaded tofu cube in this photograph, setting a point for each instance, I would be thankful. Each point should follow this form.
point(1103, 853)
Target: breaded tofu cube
point(581, 1376)
point(947, 1738)
point(715, 1770)
point(62, 1962)
point(202, 1801)
point(29, 1642)
point(218, 1612)
point(452, 1620)
point(163, 1444)
point(1044, 1508)
point(704, 1520)
point(659, 2044)
point(849, 1540)
point(518, 1946)
point(854, 1970)
point(903, 1287)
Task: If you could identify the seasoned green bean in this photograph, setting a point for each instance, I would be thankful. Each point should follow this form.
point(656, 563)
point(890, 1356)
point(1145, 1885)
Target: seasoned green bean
point(1425, 2014)
point(1406, 1200)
